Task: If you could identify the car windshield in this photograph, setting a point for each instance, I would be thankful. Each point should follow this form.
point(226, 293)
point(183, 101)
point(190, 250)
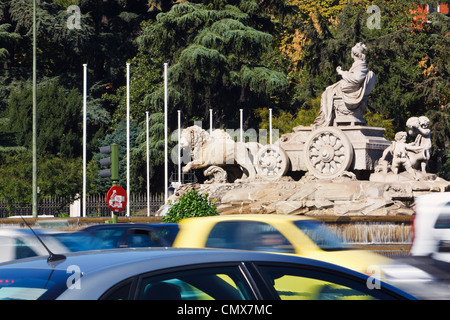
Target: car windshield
point(34, 284)
point(321, 235)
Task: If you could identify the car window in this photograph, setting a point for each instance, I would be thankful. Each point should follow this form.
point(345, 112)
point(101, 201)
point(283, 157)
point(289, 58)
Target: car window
point(120, 291)
point(23, 250)
point(443, 221)
point(75, 241)
point(321, 235)
point(32, 284)
point(248, 235)
point(142, 238)
point(108, 238)
point(215, 283)
point(293, 283)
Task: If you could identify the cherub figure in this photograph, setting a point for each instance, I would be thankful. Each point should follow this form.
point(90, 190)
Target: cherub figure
point(419, 126)
point(400, 154)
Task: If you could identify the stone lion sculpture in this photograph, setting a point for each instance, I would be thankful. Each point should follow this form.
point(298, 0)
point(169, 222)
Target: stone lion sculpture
point(218, 150)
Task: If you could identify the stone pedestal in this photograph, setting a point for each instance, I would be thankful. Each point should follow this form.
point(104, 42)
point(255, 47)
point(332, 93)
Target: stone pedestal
point(318, 198)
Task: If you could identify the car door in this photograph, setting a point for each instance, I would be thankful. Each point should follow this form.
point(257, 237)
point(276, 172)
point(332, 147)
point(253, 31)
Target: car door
point(302, 282)
point(218, 281)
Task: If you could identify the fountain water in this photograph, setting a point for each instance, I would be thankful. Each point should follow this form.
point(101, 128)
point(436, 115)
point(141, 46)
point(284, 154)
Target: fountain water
point(386, 238)
point(374, 233)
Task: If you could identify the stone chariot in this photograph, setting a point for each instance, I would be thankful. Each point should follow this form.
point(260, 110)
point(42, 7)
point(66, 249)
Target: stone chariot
point(326, 153)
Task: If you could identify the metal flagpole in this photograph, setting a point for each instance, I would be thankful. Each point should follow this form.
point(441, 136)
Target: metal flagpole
point(166, 167)
point(148, 168)
point(34, 142)
point(270, 125)
point(84, 136)
point(179, 148)
point(210, 121)
point(242, 129)
point(128, 140)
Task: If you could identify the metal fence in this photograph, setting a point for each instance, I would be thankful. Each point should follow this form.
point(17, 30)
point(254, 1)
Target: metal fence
point(95, 206)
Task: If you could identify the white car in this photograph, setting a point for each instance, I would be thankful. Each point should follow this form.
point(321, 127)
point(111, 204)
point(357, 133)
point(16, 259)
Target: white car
point(431, 226)
point(16, 243)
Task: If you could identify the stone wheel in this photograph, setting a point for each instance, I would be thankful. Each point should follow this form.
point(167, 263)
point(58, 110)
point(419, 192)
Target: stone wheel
point(328, 153)
point(272, 162)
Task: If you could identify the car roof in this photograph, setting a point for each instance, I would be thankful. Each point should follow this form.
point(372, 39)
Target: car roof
point(108, 267)
point(13, 232)
point(256, 217)
point(130, 225)
point(97, 260)
point(434, 199)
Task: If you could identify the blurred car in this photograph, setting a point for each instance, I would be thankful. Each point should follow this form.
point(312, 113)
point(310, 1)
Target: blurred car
point(297, 235)
point(184, 274)
point(431, 226)
point(22, 243)
point(133, 235)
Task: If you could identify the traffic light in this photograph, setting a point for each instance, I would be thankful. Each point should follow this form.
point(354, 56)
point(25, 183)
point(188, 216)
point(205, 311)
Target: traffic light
point(112, 161)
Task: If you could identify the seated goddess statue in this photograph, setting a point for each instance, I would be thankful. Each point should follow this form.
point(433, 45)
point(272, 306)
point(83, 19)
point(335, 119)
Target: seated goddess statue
point(349, 95)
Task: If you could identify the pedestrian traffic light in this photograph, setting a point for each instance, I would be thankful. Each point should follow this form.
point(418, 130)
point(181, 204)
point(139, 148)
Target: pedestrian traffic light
point(112, 161)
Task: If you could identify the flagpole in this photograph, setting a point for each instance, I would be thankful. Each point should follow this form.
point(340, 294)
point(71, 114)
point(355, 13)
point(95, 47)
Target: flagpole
point(34, 174)
point(84, 136)
point(128, 140)
point(166, 167)
point(148, 166)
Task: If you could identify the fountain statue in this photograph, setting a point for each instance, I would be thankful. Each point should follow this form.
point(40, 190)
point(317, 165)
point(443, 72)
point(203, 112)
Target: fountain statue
point(412, 157)
point(419, 127)
point(347, 97)
point(337, 166)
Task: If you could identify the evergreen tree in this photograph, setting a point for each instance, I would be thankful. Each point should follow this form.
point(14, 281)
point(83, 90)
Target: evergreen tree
point(214, 51)
point(58, 119)
point(57, 177)
point(6, 38)
point(214, 60)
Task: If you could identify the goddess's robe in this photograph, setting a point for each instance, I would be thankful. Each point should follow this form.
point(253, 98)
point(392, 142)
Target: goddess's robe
point(356, 83)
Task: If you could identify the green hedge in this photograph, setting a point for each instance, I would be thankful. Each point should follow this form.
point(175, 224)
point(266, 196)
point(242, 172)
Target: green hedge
point(191, 204)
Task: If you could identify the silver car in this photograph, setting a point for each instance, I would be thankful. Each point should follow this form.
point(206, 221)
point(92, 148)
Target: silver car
point(18, 243)
point(185, 274)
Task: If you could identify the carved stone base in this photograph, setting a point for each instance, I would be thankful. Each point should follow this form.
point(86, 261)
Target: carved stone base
point(318, 198)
